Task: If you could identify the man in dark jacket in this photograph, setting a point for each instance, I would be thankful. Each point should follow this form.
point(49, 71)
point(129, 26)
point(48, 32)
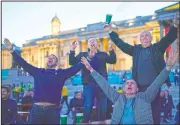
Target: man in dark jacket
point(176, 77)
point(169, 105)
point(148, 59)
point(9, 107)
point(48, 83)
point(76, 105)
point(90, 88)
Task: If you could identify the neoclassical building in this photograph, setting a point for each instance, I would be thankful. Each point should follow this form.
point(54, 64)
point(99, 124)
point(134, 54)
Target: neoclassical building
point(34, 51)
point(7, 60)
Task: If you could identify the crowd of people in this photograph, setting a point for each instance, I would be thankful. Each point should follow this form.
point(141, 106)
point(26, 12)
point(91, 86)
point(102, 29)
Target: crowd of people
point(19, 89)
point(136, 103)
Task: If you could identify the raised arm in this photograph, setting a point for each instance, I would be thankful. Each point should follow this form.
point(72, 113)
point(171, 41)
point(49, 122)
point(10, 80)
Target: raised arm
point(152, 90)
point(102, 82)
point(72, 59)
point(125, 47)
point(168, 39)
point(171, 36)
point(69, 72)
point(19, 60)
point(111, 58)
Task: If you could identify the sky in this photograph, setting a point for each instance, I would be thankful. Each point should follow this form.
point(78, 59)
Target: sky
point(23, 21)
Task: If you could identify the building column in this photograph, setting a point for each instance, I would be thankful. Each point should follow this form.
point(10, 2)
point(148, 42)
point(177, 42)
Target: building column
point(84, 45)
point(42, 53)
point(100, 44)
point(39, 57)
point(49, 49)
point(57, 53)
point(105, 44)
point(169, 47)
point(80, 46)
point(28, 56)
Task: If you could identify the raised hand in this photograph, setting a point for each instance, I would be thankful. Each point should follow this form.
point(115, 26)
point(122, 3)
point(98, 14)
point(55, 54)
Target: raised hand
point(86, 63)
point(74, 45)
point(171, 60)
point(8, 44)
point(107, 27)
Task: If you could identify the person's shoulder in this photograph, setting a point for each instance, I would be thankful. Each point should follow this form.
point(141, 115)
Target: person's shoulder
point(12, 101)
point(138, 45)
point(83, 53)
point(41, 69)
point(72, 99)
point(101, 53)
point(140, 95)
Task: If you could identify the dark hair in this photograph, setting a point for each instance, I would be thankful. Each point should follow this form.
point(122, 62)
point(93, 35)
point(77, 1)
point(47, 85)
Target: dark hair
point(130, 79)
point(76, 92)
point(5, 87)
point(54, 56)
point(166, 91)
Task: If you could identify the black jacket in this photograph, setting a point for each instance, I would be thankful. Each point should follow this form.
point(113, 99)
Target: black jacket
point(9, 111)
point(158, 50)
point(98, 62)
point(76, 103)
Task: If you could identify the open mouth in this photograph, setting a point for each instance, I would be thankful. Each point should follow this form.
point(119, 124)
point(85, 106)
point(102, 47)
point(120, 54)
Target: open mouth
point(129, 88)
point(50, 61)
point(145, 40)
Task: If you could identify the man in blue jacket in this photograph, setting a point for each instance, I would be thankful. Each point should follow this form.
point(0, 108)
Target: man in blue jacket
point(148, 59)
point(9, 107)
point(90, 88)
point(47, 86)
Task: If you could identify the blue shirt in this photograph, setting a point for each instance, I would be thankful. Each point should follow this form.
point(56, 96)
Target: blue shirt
point(48, 83)
point(128, 116)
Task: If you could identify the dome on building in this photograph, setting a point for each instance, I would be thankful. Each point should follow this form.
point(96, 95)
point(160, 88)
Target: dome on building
point(55, 19)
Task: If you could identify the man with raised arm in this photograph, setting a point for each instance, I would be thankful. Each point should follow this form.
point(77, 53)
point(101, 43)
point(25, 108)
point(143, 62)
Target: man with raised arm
point(133, 107)
point(48, 83)
point(148, 59)
point(90, 88)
